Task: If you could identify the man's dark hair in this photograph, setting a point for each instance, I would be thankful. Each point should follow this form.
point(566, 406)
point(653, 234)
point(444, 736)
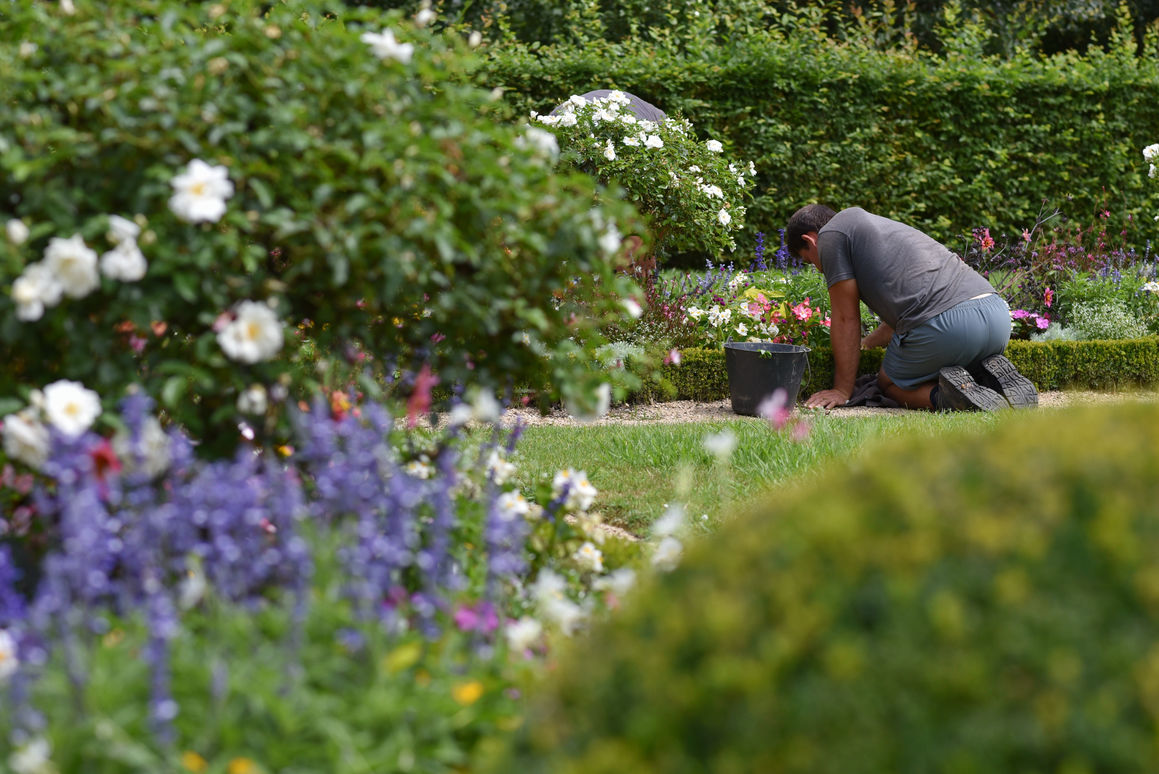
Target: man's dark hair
point(809, 218)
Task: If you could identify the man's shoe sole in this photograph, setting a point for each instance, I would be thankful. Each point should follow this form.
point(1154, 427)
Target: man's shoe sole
point(1000, 375)
point(959, 392)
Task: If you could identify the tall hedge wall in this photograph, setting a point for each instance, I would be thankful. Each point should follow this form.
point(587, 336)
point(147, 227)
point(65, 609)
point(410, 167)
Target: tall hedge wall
point(945, 143)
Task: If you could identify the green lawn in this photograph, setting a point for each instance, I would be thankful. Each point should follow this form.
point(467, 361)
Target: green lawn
point(638, 468)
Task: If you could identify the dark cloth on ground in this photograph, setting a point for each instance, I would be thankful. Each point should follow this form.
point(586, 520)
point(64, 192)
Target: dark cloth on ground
point(867, 393)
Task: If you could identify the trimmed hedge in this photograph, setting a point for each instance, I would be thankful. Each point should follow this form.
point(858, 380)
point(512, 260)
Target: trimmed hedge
point(1051, 365)
point(957, 605)
point(945, 144)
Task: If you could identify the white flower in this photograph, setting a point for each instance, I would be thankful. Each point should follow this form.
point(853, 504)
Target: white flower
point(539, 141)
point(32, 757)
point(628, 118)
point(1151, 287)
point(475, 39)
point(1153, 171)
point(16, 230)
point(122, 230)
point(653, 141)
point(741, 181)
point(752, 168)
point(724, 217)
point(695, 312)
point(714, 146)
point(73, 264)
point(737, 280)
point(9, 660)
point(635, 143)
point(667, 554)
point(548, 593)
point(70, 407)
point(647, 126)
point(35, 289)
point(193, 586)
point(619, 582)
point(522, 634)
point(67, 7)
point(200, 193)
point(26, 439)
point(253, 400)
point(27, 49)
point(459, 415)
point(589, 558)
point(712, 191)
point(512, 505)
point(633, 308)
point(424, 17)
point(577, 101)
point(580, 492)
point(254, 335)
point(499, 469)
point(484, 407)
point(718, 316)
point(125, 262)
point(610, 150)
point(420, 468)
point(384, 46)
point(720, 444)
point(742, 329)
point(694, 168)
point(610, 239)
point(1151, 152)
point(567, 119)
point(151, 452)
point(670, 523)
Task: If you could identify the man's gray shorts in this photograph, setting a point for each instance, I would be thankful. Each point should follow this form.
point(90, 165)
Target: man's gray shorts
point(961, 335)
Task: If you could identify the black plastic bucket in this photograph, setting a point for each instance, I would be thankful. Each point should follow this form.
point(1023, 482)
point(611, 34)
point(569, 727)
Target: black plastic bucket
point(754, 375)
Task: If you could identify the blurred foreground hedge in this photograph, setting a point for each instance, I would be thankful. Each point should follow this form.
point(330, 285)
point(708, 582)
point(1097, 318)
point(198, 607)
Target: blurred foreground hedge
point(968, 603)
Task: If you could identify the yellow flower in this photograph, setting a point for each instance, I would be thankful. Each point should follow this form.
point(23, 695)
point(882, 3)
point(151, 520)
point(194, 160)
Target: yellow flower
point(242, 766)
point(191, 761)
point(467, 693)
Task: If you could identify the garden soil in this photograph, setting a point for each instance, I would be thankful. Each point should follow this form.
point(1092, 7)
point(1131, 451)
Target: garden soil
point(692, 411)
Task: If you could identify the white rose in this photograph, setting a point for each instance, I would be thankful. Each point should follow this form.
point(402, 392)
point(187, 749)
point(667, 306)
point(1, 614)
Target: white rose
point(724, 217)
point(384, 46)
point(73, 264)
point(35, 289)
point(26, 439)
point(610, 150)
point(653, 141)
point(125, 262)
point(200, 193)
point(122, 230)
point(152, 450)
point(714, 146)
point(1151, 152)
point(539, 141)
point(255, 335)
point(70, 407)
point(17, 232)
point(253, 400)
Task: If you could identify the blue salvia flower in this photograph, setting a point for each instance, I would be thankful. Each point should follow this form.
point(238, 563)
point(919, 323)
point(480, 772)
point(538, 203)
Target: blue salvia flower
point(13, 606)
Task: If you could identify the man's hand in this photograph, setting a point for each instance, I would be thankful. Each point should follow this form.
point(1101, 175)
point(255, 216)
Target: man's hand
point(827, 399)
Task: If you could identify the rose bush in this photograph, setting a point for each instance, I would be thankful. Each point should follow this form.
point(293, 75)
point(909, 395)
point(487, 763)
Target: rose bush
point(169, 221)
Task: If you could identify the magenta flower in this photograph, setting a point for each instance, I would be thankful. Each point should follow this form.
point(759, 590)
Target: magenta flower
point(480, 617)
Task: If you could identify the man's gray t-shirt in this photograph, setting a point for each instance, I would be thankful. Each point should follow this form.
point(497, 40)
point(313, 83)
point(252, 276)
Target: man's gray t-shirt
point(903, 275)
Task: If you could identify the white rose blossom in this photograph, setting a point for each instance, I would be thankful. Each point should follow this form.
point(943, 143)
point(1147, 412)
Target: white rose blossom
point(714, 146)
point(122, 230)
point(35, 289)
point(73, 264)
point(632, 141)
point(424, 17)
point(540, 142)
point(724, 217)
point(653, 141)
point(610, 150)
point(34, 756)
point(384, 46)
point(26, 439)
point(150, 454)
point(70, 407)
point(254, 335)
point(125, 262)
point(200, 192)
point(16, 231)
point(253, 400)
point(1151, 152)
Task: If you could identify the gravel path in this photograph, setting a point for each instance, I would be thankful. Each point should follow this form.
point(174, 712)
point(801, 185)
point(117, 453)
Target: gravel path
point(691, 411)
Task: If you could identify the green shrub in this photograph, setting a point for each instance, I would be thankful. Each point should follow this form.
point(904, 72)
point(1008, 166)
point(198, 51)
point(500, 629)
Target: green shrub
point(976, 603)
point(1106, 320)
point(391, 210)
point(946, 144)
